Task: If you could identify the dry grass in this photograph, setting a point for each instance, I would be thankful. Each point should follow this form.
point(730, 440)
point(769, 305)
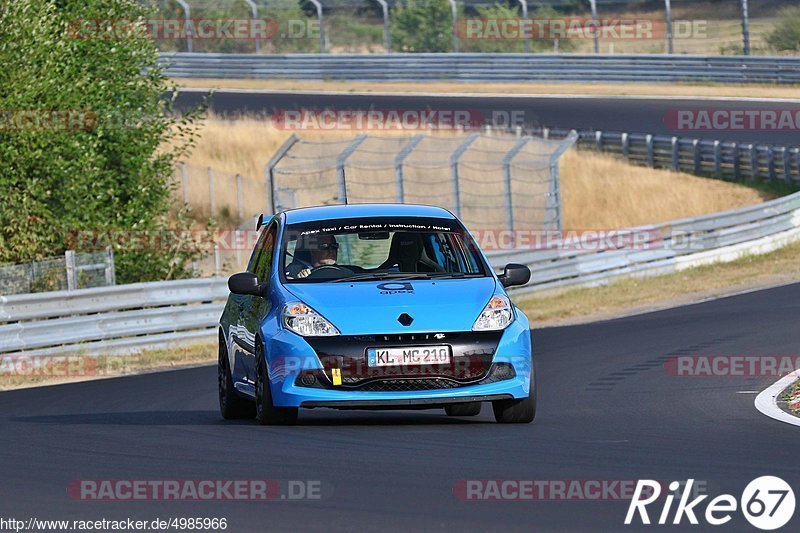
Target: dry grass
point(602, 191)
point(611, 89)
point(639, 294)
point(599, 191)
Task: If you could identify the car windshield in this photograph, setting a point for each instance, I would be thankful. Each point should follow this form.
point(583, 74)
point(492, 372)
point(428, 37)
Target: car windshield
point(365, 249)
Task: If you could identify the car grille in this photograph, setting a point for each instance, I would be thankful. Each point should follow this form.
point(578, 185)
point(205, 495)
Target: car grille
point(318, 379)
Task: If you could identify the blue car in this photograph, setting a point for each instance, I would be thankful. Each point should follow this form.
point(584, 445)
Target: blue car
point(373, 306)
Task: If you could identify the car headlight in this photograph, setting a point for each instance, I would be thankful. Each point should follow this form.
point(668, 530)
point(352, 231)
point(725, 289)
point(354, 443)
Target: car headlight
point(495, 316)
point(304, 321)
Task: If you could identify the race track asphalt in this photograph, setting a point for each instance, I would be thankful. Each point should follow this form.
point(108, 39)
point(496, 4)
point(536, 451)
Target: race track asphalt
point(608, 410)
point(623, 114)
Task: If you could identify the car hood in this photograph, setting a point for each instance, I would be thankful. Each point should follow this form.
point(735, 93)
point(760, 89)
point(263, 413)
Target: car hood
point(373, 307)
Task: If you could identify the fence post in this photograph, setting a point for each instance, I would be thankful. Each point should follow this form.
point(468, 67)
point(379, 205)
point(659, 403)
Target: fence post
point(717, 159)
point(254, 13)
point(217, 260)
point(72, 272)
point(626, 146)
point(546, 133)
point(340, 161)
point(318, 5)
point(111, 276)
point(387, 37)
point(595, 28)
point(398, 165)
point(736, 164)
point(676, 160)
point(771, 163)
point(269, 170)
point(240, 207)
point(598, 140)
point(507, 175)
point(187, 16)
point(787, 165)
point(745, 29)
point(648, 139)
point(524, 4)
point(553, 207)
point(696, 156)
point(454, 170)
point(454, 11)
point(212, 201)
point(753, 162)
point(668, 9)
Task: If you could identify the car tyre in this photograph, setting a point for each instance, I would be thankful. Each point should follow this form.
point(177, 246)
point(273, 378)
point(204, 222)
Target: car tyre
point(266, 413)
point(231, 406)
point(521, 411)
point(463, 409)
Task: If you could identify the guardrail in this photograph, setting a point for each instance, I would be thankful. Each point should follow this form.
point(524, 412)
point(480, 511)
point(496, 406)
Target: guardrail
point(721, 159)
point(105, 319)
point(142, 315)
point(665, 248)
point(486, 67)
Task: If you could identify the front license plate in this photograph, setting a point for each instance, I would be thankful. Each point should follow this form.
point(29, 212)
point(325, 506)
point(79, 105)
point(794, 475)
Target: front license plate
point(413, 355)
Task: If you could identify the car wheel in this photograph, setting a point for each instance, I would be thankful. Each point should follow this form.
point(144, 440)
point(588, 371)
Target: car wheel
point(463, 409)
point(266, 413)
point(521, 411)
point(231, 406)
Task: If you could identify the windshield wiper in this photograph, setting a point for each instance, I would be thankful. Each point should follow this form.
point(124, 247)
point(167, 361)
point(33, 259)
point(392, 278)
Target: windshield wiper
point(404, 275)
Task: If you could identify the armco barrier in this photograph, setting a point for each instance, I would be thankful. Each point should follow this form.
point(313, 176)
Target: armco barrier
point(157, 314)
point(486, 67)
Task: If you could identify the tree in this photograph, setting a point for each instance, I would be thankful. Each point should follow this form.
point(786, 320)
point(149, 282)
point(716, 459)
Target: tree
point(87, 138)
point(422, 26)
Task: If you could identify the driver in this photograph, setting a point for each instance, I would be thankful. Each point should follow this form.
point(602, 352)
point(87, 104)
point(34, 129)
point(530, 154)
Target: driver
point(323, 251)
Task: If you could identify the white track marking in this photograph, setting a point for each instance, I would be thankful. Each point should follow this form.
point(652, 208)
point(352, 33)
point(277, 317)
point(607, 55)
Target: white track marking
point(766, 400)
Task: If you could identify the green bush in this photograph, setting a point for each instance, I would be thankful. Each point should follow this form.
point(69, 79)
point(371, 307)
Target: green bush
point(105, 167)
point(786, 35)
point(422, 26)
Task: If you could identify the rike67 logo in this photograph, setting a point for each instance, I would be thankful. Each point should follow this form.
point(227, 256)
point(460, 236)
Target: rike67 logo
point(767, 503)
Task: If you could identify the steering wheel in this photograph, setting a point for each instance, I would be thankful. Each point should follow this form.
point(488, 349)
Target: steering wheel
point(330, 269)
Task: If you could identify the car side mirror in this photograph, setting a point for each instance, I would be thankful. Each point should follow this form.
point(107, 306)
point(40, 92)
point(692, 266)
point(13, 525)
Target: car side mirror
point(515, 274)
point(245, 283)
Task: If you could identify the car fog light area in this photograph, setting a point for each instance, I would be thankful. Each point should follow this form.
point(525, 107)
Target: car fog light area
point(304, 321)
point(495, 316)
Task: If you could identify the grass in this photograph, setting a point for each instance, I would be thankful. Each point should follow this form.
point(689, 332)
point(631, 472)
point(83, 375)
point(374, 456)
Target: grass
point(792, 398)
point(22, 371)
point(780, 266)
point(598, 191)
point(610, 89)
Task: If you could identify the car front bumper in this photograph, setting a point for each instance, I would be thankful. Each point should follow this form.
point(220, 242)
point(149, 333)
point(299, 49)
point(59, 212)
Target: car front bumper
point(290, 355)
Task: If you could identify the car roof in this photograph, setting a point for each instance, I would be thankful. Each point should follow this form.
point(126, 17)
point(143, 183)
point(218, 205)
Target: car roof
point(330, 212)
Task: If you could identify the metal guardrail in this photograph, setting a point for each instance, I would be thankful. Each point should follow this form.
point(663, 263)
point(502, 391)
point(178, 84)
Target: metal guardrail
point(486, 67)
point(104, 318)
point(668, 247)
point(721, 159)
point(130, 317)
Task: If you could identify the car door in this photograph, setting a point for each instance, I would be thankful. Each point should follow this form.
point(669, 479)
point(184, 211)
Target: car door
point(254, 308)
